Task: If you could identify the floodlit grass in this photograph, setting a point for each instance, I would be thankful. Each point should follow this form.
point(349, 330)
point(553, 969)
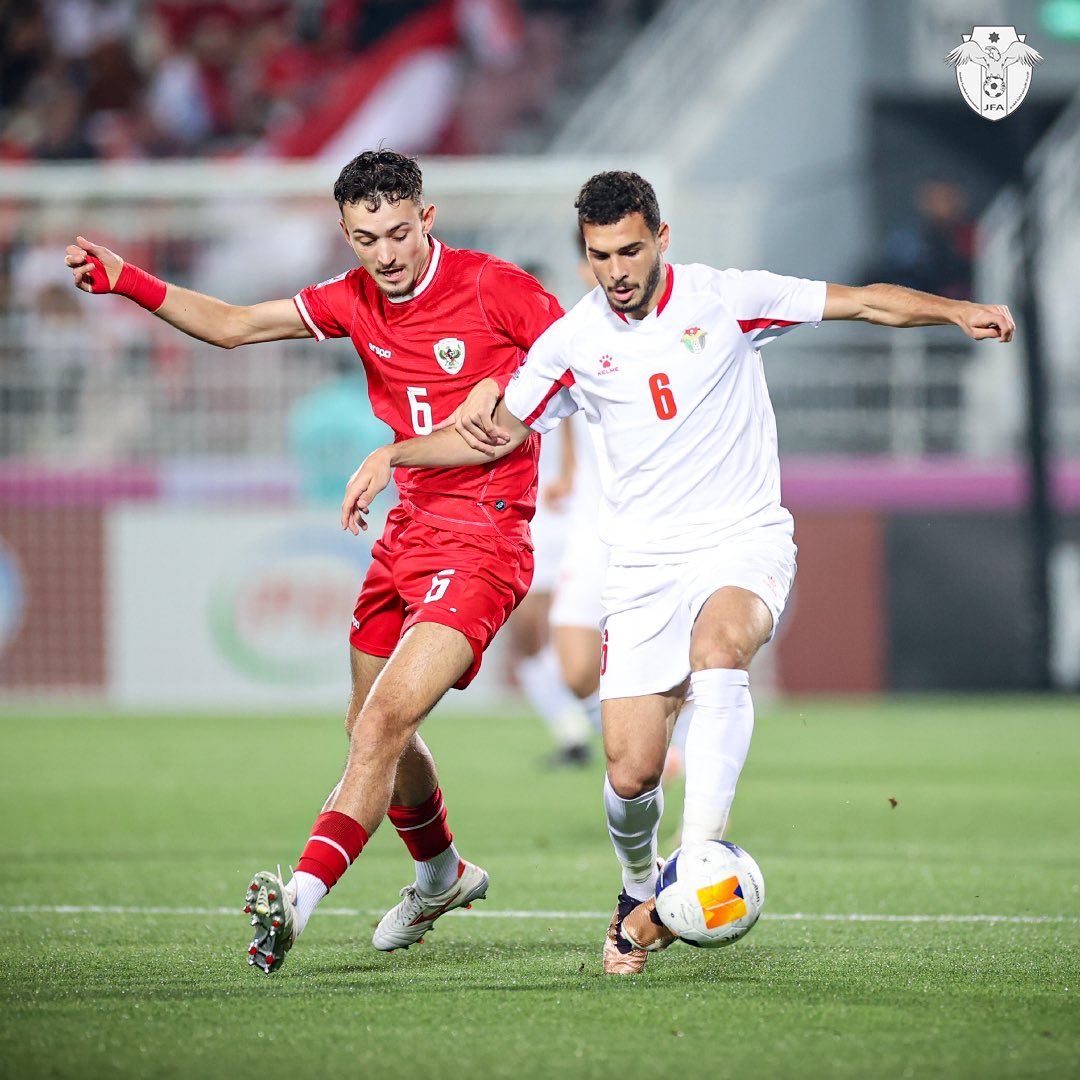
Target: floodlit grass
point(174, 813)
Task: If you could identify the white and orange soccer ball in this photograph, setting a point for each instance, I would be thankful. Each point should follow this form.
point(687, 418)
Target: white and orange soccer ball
point(710, 893)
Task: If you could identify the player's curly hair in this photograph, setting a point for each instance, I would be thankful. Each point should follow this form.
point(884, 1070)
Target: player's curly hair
point(379, 174)
point(608, 197)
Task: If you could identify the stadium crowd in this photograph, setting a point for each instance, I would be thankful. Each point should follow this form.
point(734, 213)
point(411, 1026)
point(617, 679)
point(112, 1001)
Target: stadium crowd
point(108, 79)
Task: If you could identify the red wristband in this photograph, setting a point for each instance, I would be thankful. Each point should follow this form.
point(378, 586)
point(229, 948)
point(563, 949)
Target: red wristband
point(146, 290)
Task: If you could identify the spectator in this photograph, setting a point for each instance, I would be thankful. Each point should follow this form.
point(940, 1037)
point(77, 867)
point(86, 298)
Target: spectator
point(934, 251)
point(331, 428)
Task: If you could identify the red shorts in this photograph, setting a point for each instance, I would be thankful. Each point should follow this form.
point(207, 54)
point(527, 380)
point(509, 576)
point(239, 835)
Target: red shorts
point(420, 574)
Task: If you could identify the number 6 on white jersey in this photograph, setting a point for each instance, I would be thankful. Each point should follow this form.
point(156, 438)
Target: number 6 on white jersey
point(420, 409)
point(439, 584)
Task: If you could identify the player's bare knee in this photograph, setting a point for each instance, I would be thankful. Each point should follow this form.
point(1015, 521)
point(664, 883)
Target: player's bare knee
point(629, 779)
point(730, 647)
point(383, 725)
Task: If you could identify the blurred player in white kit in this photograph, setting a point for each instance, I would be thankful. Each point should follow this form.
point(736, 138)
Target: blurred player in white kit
point(664, 361)
point(539, 670)
point(576, 611)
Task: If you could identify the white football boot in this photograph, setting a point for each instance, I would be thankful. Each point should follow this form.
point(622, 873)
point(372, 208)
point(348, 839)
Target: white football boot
point(408, 922)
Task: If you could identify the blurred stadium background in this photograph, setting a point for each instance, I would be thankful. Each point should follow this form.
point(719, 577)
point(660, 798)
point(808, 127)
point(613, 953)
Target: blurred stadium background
point(168, 530)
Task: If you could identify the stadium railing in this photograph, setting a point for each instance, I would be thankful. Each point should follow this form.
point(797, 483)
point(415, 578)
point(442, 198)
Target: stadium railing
point(995, 390)
point(157, 543)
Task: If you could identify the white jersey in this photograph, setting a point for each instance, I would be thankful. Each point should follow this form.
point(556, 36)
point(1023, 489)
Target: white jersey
point(677, 406)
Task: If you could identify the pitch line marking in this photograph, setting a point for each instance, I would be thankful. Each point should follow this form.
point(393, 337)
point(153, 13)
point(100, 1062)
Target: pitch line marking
point(353, 913)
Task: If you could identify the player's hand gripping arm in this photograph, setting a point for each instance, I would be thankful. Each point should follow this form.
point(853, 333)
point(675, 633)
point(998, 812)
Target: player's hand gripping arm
point(96, 269)
point(440, 449)
point(893, 305)
point(474, 418)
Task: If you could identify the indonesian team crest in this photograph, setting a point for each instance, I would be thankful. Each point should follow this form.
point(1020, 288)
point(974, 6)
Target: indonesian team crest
point(993, 69)
point(693, 338)
point(450, 352)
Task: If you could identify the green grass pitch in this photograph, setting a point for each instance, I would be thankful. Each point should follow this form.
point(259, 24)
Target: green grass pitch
point(157, 822)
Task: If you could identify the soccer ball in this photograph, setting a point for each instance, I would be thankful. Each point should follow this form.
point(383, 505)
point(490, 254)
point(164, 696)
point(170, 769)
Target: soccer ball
point(994, 86)
point(710, 893)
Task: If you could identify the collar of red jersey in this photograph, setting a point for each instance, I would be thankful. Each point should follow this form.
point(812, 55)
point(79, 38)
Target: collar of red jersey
point(425, 281)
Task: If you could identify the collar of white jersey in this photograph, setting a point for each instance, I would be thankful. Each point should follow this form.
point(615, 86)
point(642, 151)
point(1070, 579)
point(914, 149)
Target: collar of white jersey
point(661, 304)
point(425, 281)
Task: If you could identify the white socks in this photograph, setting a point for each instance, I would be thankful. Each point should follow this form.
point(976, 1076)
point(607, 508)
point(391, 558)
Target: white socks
point(632, 825)
point(541, 682)
point(437, 875)
point(307, 892)
point(717, 743)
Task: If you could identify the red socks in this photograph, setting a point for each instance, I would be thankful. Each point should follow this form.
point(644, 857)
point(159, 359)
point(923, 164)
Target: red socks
point(336, 840)
point(423, 827)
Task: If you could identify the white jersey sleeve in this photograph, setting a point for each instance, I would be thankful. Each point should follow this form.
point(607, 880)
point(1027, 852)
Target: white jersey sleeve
point(768, 305)
point(539, 394)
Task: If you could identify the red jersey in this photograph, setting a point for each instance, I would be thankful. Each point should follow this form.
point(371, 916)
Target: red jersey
point(470, 316)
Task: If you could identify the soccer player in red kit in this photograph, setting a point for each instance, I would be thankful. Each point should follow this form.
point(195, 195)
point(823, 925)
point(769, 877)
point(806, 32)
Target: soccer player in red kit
point(455, 558)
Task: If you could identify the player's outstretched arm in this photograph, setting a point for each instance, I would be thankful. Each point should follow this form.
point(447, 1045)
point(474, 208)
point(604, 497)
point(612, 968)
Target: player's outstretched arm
point(96, 269)
point(893, 305)
point(440, 449)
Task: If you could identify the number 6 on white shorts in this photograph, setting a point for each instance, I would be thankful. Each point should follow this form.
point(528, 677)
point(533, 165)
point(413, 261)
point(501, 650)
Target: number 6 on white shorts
point(439, 584)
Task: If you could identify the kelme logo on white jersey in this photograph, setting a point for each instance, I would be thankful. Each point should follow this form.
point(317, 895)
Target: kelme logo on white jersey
point(607, 366)
point(693, 337)
point(450, 352)
point(993, 69)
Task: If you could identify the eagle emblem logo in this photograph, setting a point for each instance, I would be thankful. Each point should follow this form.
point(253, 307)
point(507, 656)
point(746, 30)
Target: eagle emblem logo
point(450, 352)
point(993, 69)
point(693, 337)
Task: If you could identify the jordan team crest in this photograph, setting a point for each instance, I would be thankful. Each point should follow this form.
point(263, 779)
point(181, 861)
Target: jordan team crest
point(694, 339)
point(993, 69)
point(450, 352)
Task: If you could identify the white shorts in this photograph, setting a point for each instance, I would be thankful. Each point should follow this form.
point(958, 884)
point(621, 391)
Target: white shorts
point(650, 610)
point(549, 542)
point(581, 580)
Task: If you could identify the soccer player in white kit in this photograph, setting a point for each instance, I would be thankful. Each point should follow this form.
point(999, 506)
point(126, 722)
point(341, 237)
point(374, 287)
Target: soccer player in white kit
point(664, 360)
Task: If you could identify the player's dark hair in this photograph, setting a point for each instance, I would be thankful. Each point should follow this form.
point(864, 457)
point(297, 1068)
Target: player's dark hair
point(608, 197)
point(380, 174)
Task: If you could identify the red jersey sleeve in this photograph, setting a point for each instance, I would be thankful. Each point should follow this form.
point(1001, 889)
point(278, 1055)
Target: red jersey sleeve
point(328, 308)
point(515, 305)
